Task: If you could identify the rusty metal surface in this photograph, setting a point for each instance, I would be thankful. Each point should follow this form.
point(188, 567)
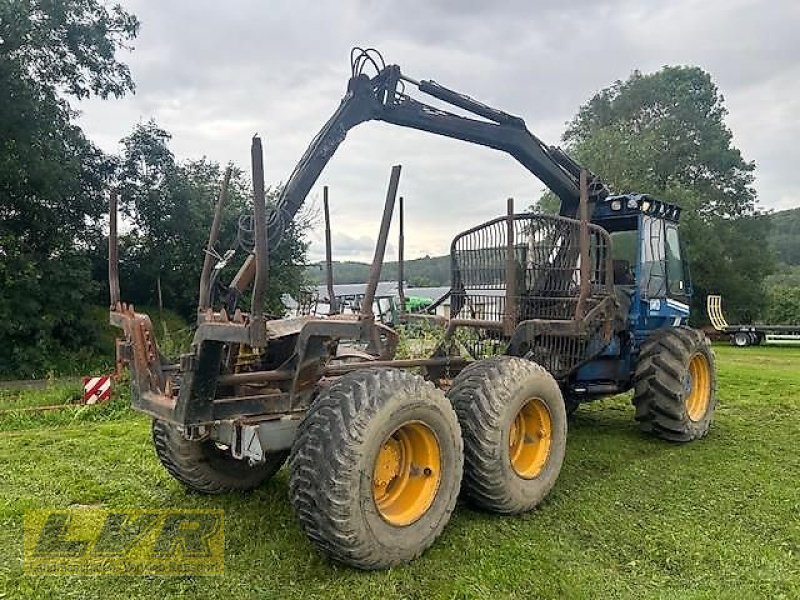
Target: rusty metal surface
point(260, 219)
point(332, 308)
point(244, 276)
point(249, 406)
point(380, 246)
point(527, 269)
point(254, 377)
point(140, 351)
point(561, 346)
point(546, 268)
point(264, 377)
point(208, 260)
point(446, 361)
point(284, 327)
point(510, 317)
point(401, 242)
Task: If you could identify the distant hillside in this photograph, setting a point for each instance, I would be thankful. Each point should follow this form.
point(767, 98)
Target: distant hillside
point(785, 238)
point(435, 271)
point(420, 272)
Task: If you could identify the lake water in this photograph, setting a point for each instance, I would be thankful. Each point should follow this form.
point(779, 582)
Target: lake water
point(385, 288)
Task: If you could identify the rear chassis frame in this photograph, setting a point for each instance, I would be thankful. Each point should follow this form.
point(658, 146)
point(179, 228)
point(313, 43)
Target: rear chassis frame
point(237, 408)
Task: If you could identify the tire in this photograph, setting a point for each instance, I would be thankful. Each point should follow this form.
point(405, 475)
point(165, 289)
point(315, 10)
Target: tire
point(740, 339)
point(203, 467)
point(755, 339)
point(352, 463)
point(496, 400)
point(675, 385)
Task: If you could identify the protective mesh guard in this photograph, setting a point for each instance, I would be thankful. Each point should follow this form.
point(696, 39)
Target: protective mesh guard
point(545, 285)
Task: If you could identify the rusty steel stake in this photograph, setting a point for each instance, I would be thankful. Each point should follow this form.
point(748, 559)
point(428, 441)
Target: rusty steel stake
point(380, 246)
point(332, 308)
point(205, 291)
point(258, 332)
point(400, 266)
point(511, 271)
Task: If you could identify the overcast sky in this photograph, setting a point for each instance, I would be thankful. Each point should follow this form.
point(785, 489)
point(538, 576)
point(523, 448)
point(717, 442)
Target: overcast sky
point(214, 73)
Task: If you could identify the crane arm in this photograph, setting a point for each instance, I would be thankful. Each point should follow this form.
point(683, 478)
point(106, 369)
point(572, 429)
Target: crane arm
point(383, 98)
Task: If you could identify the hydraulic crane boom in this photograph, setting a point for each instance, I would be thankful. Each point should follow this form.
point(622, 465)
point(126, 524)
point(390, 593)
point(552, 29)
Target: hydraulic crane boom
point(383, 98)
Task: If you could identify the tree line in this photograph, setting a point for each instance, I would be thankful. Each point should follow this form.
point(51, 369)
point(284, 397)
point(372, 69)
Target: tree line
point(54, 186)
point(663, 133)
point(418, 272)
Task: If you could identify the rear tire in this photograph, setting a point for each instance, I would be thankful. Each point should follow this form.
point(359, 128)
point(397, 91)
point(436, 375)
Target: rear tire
point(675, 385)
point(206, 468)
point(376, 467)
point(740, 339)
point(514, 424)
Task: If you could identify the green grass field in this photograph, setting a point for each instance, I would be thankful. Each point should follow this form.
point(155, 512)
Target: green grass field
point(630, 516)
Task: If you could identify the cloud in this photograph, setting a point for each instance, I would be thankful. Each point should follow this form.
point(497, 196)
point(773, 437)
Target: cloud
point(214, 73)
point(346, 247)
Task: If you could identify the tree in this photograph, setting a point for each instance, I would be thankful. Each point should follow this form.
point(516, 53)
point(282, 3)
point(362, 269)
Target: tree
point(665, 134)
point(171, 207)
point(547, 204)
point(52, 178)
point(784, 305)
point(783, 294)
point(785, 238)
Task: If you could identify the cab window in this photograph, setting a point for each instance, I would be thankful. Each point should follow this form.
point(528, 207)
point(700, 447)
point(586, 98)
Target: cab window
point(624, 256)
point(675, 275)
point(654, 277)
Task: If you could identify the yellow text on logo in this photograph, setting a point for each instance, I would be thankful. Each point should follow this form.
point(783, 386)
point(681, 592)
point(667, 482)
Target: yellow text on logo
point(124, 542)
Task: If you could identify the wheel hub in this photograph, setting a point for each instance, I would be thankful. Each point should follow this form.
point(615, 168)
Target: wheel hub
point(530, 438)
point(698, 387)
point(387, 467)
point(406, 474)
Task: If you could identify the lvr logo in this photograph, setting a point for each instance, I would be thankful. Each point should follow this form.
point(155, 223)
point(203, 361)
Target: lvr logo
point(161, 542)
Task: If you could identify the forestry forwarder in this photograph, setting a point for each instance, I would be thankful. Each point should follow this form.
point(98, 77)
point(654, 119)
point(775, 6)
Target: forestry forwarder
point(582, 305)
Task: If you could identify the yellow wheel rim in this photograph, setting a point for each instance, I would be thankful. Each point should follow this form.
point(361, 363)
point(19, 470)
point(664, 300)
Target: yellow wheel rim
point(530, 438)
point(698, 387)
point(407, 474)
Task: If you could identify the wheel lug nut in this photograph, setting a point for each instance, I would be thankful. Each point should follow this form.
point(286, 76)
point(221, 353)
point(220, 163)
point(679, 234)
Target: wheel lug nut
point(427, 471)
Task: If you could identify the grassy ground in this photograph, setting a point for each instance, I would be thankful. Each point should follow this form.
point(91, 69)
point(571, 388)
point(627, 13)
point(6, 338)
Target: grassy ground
point(51, 393)
point(630, 516)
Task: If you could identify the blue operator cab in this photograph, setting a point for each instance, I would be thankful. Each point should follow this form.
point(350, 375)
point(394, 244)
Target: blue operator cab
point(651, 282)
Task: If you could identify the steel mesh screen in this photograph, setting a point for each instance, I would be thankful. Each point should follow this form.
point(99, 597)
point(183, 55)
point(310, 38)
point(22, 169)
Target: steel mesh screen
point(541, 264)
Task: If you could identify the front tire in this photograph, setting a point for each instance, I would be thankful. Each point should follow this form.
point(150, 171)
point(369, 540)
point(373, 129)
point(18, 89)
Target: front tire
point(204, 467)
point(675, 385)
point(376, 467)
point(514, 424)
